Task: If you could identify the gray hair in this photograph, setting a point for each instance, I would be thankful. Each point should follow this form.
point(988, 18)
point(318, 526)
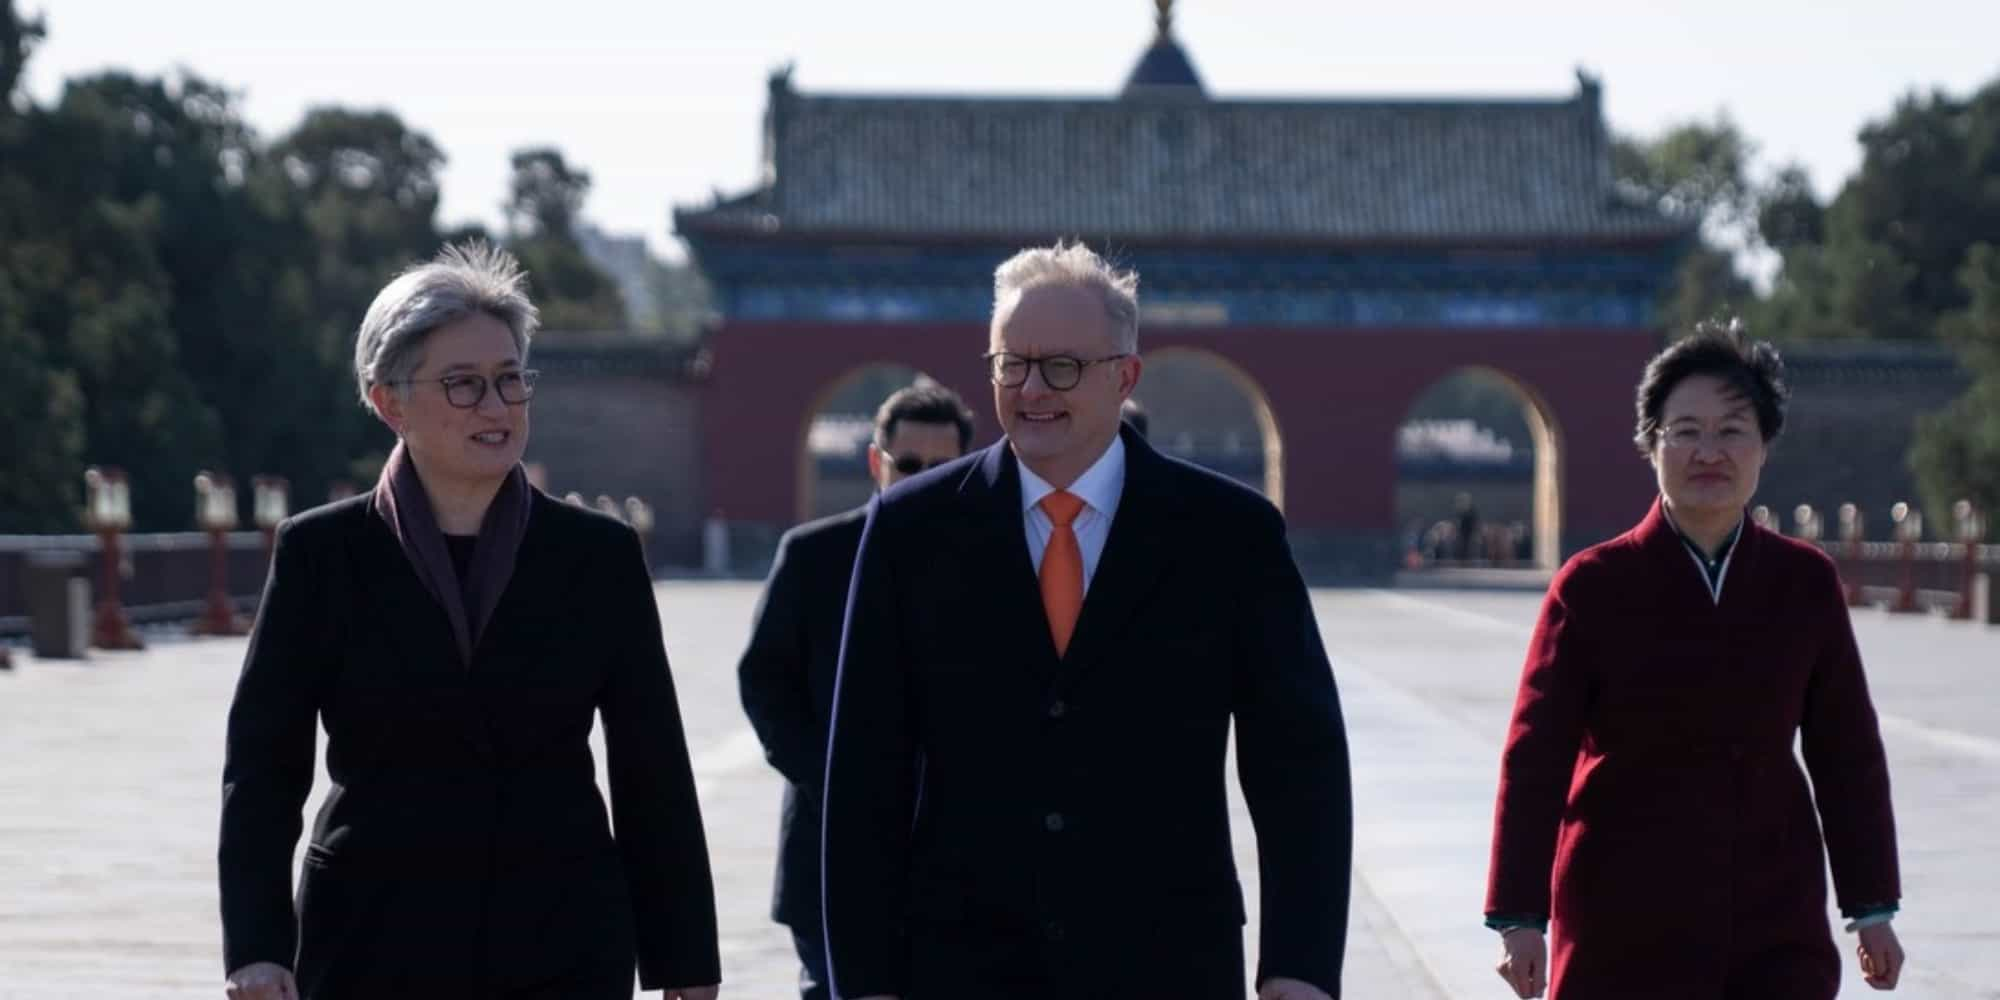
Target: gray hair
point(464, 278)
point(1074, 265)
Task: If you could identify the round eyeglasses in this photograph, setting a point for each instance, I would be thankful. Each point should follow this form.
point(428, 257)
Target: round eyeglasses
point(468, 391)
point(1060, 372)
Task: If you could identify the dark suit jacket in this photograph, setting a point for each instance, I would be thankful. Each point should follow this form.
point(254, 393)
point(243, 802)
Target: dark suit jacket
point(1003, 822)
point(1649, 783)
point(463, 846)
point(786, 678)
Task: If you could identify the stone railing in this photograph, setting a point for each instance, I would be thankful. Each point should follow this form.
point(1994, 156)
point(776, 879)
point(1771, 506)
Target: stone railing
point(1953, 578)
point(170, 576)
point(165, 575)
point(1908, 574)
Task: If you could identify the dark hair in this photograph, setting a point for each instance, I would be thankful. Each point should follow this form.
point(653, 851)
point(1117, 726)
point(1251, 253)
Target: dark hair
point(1750, 368)
point(923, 403)
point(1134, 414)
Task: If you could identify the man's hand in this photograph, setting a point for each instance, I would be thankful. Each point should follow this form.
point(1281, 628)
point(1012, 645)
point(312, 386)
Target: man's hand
point(691, 993)
point(262, 981)
point(1881, 956)
point(1524, 961)
point(1279, 988)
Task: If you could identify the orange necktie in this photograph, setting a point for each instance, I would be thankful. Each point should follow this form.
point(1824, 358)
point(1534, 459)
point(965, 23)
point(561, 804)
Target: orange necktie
point(1062, 568)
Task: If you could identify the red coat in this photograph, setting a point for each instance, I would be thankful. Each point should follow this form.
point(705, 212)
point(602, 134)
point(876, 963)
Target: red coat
point(1650, 801)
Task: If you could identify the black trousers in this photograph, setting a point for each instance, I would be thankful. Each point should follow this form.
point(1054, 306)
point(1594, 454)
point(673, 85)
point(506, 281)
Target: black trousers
point(811, 945)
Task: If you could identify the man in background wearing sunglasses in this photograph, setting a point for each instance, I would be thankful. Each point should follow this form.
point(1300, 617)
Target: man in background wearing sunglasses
point(786, 676)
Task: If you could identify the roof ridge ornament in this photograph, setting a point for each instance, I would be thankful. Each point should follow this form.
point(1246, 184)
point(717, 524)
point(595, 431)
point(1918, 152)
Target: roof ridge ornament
point(1164, 69)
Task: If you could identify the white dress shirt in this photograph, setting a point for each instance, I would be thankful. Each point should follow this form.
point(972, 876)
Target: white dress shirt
point(1099, 488)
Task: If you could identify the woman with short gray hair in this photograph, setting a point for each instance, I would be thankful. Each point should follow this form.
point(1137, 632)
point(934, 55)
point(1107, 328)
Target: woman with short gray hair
point(454, 632)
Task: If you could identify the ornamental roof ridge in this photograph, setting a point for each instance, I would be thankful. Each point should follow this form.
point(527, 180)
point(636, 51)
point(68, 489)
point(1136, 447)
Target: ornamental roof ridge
point(1311, 169)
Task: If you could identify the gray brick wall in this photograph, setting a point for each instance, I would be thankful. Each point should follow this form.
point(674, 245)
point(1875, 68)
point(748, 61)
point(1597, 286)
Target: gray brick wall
point(1850, 426)
point(623, 417)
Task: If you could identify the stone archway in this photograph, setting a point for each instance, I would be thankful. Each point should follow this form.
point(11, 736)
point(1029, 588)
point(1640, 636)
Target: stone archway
point(1191, 419)
point(1476, 452)
point(1337, 395)
point(834, 432)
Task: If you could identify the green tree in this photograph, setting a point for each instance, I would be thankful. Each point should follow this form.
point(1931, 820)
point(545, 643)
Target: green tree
point(176, 293)
point(82, 209)
point(1926, 190)
point(1698, 171)
point(366, 189)
point(40, 406)
point(1957, 451)
point(41, 454)
point(545, 195)
point(18, 38)
point(368, 185)
point(1788, 212)
point(1884, 259)
point(239, 259)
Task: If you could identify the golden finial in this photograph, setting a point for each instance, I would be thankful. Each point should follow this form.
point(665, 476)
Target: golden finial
point(1164, 20)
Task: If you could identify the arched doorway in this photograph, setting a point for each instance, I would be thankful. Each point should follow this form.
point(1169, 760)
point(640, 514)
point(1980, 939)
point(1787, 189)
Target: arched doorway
point(1204, 408)
point(1479, 469)
point(833, 441)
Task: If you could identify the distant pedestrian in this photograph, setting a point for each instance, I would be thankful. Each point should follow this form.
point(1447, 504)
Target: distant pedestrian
point(1466, 519)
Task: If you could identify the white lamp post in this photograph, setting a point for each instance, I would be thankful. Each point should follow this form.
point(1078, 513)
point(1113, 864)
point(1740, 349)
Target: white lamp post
point(108, 512)
point(215, 512)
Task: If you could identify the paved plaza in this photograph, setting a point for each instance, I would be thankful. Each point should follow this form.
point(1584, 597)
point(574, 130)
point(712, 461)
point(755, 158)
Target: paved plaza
point(109, 775)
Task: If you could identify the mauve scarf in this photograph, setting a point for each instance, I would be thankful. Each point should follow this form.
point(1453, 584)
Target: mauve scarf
point(469, 603)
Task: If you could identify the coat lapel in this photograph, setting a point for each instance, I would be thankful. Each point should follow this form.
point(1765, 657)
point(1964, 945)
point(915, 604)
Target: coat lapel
point(993, 488)
point(416, 623)
point(416, 627)
point(1740, 590)
point(508, 643)
point(1682, 584)
point(1136, 556)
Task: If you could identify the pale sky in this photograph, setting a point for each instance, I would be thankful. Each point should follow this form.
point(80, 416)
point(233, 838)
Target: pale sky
point(661, 100)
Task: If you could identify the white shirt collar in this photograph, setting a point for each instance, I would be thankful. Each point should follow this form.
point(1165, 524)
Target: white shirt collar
point(1701, 562)
point(1100, 486)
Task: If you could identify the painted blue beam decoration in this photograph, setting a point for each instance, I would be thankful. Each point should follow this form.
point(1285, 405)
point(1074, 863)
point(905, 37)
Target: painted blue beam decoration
point(1212, 288)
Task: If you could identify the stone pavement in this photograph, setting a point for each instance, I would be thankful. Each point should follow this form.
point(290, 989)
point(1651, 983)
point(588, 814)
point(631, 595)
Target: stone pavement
point(109, 785)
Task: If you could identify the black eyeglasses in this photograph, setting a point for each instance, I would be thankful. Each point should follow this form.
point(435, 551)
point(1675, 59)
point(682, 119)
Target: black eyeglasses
point(1060, 372)
point(910, 465)
point(468, 391)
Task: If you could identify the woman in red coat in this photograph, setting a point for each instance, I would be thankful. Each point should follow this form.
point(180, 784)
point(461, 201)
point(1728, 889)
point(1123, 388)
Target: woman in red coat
point(1652, 814)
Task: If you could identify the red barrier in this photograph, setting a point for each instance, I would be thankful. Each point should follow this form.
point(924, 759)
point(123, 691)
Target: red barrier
point(1910, 575)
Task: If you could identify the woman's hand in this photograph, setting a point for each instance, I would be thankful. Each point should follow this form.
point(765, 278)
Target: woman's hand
point(262, 981)
point(1881, 956)
point(1524, 961)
